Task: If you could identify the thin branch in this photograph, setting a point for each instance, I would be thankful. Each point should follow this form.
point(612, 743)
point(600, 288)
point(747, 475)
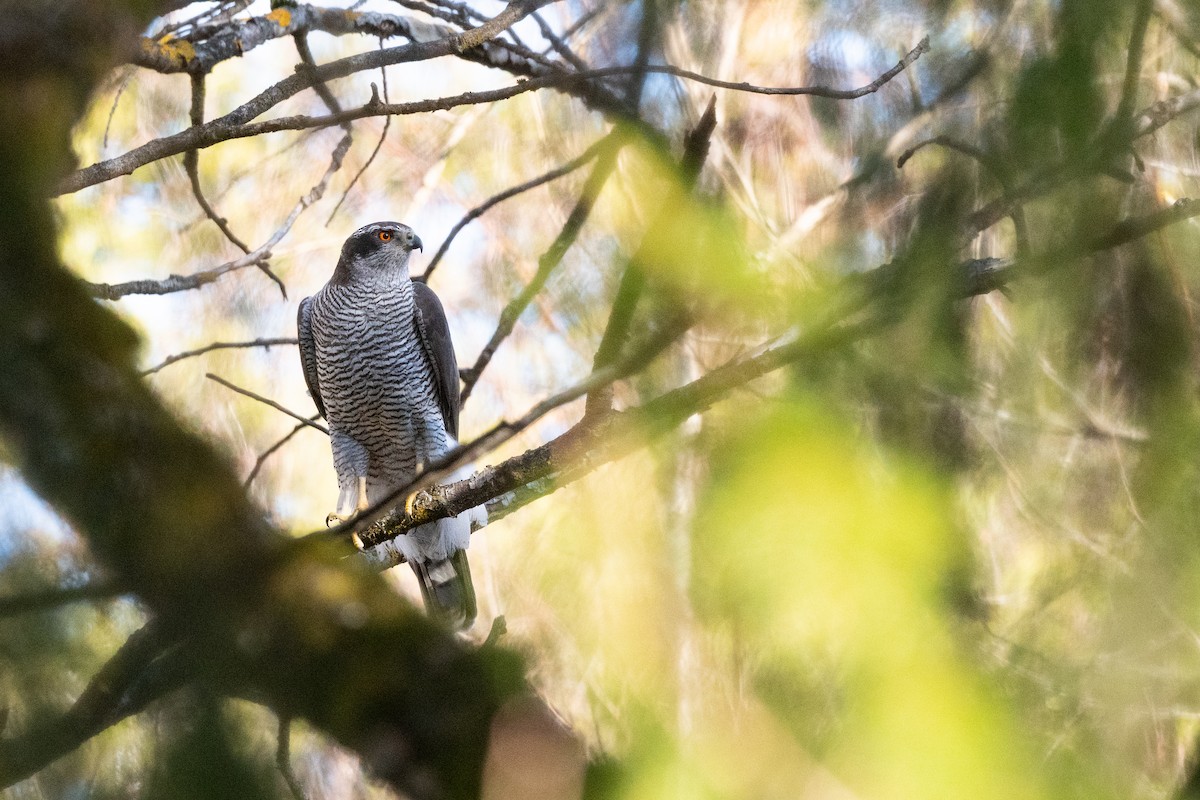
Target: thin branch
point(1133, 62)
point(237, 124)
point(603, 167)
point(558, 45)
point(182, 283)
point(993, 166)
point(320, 87)
point(176, 283)
point(481, 209)
point(112, 111)
point(58, 597)
point(815, 91)
point(208, 348)
point(301, 419)
point(633, 279)
point(191, 164)
point(387, 124)
point(270, 451)
point(1133, 228)
point(283, 757)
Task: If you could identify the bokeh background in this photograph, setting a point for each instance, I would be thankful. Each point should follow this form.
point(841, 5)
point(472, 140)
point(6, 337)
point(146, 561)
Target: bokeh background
point(955, 557)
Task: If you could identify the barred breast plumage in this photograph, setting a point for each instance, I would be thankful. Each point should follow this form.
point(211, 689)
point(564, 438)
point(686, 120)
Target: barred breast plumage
point(376, 380)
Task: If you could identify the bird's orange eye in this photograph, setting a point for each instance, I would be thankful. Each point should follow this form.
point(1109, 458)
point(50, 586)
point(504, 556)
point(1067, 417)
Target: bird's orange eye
point(385, 236)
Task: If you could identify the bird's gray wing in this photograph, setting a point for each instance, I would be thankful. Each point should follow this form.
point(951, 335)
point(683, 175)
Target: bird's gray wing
point(434, 333)
point(308, 352)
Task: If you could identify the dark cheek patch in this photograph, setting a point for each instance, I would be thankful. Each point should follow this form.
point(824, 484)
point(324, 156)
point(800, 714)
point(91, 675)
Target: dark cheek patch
point(362, 245)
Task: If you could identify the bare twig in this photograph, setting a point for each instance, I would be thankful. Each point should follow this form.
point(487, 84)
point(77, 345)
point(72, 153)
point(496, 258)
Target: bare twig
point(583, 21)
point(301, 419)
point(387, 124)
point(112, 111)
point(1133, 62)
point(603, 167)
point(320, 87)
point(633, 279)
point(270, 451)
point(191, 164)
point(208, 348)
point(481, 209)
point(558, 45)
point(177, 283)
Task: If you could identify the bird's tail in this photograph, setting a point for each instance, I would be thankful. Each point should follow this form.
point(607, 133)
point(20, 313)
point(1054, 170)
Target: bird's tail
point(447, 589)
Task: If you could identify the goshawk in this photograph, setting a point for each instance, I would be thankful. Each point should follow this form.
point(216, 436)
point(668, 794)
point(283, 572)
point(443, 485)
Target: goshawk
point(381, 368)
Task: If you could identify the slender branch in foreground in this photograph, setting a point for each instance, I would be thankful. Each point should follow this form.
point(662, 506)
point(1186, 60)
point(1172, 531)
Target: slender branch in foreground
point(191, 165)
point(606, 160)
point(208, 348)
point(633, 279)
point(266, 401)
point(1133, 62)
point(237, 123)
point(58, 597)
point(481, 209)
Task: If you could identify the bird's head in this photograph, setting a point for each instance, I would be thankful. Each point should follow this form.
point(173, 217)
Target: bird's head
point(381, 249)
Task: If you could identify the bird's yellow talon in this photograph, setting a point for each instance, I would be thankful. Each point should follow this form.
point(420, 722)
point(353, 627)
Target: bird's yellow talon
point(338, 519)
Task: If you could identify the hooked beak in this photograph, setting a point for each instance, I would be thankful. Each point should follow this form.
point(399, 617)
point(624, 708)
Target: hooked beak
point(417, 244)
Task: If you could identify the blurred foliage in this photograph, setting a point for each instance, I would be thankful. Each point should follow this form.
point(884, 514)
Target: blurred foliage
point(955, 559)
